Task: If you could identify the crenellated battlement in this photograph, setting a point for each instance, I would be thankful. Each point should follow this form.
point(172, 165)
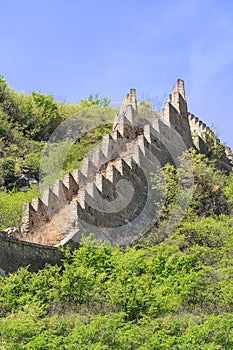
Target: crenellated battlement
point(197, 126)
point(110, 188)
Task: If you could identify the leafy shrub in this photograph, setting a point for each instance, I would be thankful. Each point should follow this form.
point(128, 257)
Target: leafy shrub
point(11, 204)
point(8, 170)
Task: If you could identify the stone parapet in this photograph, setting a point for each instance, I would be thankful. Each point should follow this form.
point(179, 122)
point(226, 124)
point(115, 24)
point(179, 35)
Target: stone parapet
point(111, 186)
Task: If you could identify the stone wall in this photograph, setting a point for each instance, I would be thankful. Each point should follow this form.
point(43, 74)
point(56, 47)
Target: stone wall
point(16, 253)
point(200, 134)
point(133, 145)
point(90, 198)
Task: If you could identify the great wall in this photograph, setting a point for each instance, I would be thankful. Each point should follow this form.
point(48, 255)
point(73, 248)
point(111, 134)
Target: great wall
point(91, 200)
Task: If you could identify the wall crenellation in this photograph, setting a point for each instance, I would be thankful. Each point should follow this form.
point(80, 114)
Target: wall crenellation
point(91, 196)
point(200, 131)
point(91, 184)
point(196, 125)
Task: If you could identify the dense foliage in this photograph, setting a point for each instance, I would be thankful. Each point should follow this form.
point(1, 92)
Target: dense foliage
point(167, 292)
point(174, 295)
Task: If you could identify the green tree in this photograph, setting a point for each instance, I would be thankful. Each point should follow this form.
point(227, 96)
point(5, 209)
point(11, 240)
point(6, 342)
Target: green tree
point(3, 87)
point(45, 116)
point(146, 104)
point(95, 99)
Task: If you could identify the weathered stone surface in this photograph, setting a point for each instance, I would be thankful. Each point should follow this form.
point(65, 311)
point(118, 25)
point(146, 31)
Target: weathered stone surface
point(16, 253)
point(71, 184)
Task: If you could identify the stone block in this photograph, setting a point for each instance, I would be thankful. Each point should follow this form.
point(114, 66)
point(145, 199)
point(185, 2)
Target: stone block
point(98, 158)
point(61, 191)
point(79, 178)
point(51, 201)
point(88, 169)
point(71, 184)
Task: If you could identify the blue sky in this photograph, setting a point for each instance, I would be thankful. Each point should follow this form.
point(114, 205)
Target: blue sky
point(72, 48)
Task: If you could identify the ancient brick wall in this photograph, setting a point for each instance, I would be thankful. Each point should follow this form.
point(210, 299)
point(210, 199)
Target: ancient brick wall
point(90, 199)
point(15, 253)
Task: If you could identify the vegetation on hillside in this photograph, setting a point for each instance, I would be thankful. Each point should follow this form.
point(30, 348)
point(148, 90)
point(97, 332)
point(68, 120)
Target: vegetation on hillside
point(167, 292)
point(174, 295)
point(26, 123)
point(28, 120)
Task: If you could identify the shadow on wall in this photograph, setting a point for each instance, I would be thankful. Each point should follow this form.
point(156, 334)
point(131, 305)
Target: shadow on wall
point(16, 253)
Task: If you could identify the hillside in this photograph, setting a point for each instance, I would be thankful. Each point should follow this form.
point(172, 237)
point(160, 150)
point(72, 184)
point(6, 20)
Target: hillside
point(174, 295)
point(168, 290)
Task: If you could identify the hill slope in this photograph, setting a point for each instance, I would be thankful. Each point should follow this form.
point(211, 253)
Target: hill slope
point(166, 292)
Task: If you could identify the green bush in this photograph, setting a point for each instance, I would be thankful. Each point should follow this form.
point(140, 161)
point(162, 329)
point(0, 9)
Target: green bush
point(8, 170)
point(161, 297)
point(11, 204)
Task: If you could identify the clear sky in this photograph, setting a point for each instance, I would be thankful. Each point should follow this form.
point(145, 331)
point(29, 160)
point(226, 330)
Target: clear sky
point(71, 48)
